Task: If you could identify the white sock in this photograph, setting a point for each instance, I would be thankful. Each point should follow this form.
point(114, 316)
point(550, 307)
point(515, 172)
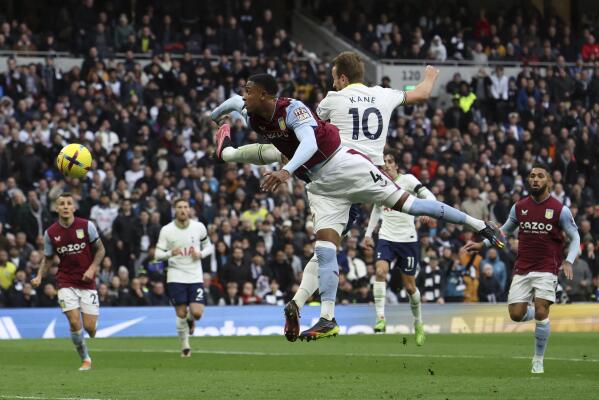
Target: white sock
point(257, 154)
point(379, 290)
point(327, 310)
point(475, 223)
point(189, 316)
point(183, 332)
point(309, 283)
point(415, 306)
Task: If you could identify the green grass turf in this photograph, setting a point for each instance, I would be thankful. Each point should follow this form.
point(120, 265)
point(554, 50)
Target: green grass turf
point(494, 366)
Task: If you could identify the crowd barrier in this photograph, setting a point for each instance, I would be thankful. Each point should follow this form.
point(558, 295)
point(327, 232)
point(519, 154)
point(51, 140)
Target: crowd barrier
point(268, 320)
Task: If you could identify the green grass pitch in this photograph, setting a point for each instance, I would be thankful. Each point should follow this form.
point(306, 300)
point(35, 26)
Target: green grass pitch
point(494, 366)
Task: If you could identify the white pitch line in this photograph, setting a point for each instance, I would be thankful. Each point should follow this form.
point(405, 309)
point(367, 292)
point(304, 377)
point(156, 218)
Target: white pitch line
point(6, 396)
point(389, 355)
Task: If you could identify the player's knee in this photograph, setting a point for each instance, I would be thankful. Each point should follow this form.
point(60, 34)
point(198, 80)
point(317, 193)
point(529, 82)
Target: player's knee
point(381, 274)
point(410, 287)
point(516, 315)
point(91, 331)
point(197, 314)
point(75, 326)
point(541, 314)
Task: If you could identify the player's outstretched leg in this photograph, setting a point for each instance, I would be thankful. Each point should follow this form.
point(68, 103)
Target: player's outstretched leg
point(436, 209)
point(257, 154)
point(326, 253)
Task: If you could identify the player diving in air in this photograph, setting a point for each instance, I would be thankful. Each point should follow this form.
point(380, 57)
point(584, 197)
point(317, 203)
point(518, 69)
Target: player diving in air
point(541, 220)
point(184, 243)
point(337, 175)
point(80, 251)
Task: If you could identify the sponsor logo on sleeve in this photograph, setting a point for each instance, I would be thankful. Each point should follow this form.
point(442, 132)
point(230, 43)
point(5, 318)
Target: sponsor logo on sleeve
point(301, 113)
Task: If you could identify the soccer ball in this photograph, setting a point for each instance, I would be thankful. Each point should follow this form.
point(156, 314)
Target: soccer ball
point(74, 160)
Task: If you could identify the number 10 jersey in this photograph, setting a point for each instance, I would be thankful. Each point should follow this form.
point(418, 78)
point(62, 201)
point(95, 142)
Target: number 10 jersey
point(362, 115)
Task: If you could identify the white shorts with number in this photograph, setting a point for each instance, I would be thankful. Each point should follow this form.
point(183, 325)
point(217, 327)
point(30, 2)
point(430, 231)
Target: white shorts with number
point(348, 178)
point(524, 288)
point(73, 298)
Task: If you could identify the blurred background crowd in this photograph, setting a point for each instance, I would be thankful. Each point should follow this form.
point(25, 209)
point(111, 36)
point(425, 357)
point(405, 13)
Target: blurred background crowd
point(147, 123)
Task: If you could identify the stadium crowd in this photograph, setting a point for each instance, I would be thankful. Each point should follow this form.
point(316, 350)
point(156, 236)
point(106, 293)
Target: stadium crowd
point(443, 31)
point(149, 130)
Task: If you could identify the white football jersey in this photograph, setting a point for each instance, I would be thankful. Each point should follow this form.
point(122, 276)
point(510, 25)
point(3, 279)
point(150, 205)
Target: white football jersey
point(362, 115)
point(182, 268)
point(398, 226)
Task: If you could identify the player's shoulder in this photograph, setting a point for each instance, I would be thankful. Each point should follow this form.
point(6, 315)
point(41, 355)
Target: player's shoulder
point(408, 181)
point(197, 224)
point(168, 227)
point(523, 202)
point(52, 228)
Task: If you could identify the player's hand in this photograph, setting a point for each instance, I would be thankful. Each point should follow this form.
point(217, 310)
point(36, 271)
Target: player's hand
point(225, 119)
point(88, 275)
point(35, 282)
point(274, 179)
point(367, 242)
point(426, 220)
point(567, 269)
point(431, 73)
point(473, 247)
point(176, 251)
point(195, 254)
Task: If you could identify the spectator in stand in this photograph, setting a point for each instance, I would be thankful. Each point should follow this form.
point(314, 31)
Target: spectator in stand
point(7, 271)
point(579, 287)
point(499, 269)
point(489, 290)
point(231, 297)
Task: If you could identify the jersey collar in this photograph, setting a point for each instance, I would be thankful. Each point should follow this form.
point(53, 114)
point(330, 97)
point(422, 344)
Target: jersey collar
point(353, 84)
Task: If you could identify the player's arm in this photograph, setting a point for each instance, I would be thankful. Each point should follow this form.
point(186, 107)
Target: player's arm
point(301, 121)
point(566, 221)
point(233, 104)
point(422, 91)
point(206, 246)
point(324, 108)
point(375, 217)
point(162, 247)
point(47, 260)
point(506, 229)
point(99, 252)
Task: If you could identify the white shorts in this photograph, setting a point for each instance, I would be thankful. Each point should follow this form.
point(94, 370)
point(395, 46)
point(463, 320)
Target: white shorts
point(348, 178)
point(73, 298)
point(524, 288)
